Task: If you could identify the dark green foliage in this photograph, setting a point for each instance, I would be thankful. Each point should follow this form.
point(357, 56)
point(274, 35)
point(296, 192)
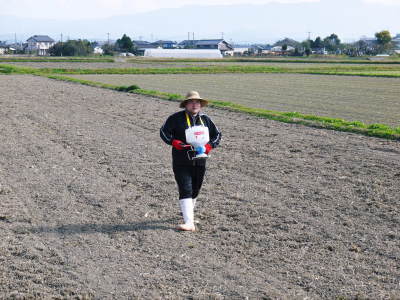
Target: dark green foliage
point(125, 44)
point(287, 42)
point(317, 44)
point(6, 69)
point(175, 97)
point(128, 88)
point(332, 43)
point(71, 48)
point(109, 49)
point(383, 37)
point(384, 41)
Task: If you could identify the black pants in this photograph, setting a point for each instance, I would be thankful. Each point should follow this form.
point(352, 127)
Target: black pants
point(189, 180)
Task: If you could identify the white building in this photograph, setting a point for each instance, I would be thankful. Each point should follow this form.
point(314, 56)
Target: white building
point(183, 53)
point(278, 49)
point(40, 44)
point(98, 50)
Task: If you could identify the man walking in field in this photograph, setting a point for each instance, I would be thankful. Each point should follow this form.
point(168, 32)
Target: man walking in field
point(192, 136)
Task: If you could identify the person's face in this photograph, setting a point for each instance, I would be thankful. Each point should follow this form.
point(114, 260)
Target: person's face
point(193, 106)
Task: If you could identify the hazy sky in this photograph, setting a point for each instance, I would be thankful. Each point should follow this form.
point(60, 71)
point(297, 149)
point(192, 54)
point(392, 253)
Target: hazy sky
point(79, 9)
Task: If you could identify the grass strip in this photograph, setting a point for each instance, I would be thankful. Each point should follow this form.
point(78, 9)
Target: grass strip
point(10, 69)
point(375, 130)
point(57, 59)
point(369, 71)
point(267, 60)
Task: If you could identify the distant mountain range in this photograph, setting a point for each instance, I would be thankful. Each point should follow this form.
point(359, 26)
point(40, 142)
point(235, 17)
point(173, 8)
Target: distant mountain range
point(236, 23)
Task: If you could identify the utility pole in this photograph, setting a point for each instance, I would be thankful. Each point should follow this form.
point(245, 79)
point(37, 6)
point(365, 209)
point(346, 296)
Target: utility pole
point(309, 36)
point(61, 40)
point(108, 38)
point(15, 38)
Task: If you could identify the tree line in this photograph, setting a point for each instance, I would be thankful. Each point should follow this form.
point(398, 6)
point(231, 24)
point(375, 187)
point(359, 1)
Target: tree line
point(85, 48)
point(333, 45)
point(330, 44)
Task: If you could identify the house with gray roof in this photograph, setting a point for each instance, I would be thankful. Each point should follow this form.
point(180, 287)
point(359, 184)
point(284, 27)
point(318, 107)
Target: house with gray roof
point(142, 46)
point(219, 44)
point(39, 44)
point(166, 44)
point(396, 42)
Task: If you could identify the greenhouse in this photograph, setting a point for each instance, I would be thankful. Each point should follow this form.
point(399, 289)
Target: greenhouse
point(183, 53)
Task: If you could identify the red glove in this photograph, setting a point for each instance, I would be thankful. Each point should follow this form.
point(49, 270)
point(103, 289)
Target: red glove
point(179, 145)
point(208, 148)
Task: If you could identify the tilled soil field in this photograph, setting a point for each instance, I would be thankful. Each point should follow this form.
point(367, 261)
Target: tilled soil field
point(88, 204)
point(366, 99)
point(93, 65)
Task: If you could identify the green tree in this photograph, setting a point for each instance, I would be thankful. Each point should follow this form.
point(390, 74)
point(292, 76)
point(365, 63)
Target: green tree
point(288, 42)
point(317, 44)
point(284, 48)
point(384, 40)
point(71, 48)
point(125, 44)
point(109, 49)
point(332, 43)
point(297, 52)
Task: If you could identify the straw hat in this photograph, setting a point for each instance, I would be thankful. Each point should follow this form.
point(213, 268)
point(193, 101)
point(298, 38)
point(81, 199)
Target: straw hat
point(193, 95)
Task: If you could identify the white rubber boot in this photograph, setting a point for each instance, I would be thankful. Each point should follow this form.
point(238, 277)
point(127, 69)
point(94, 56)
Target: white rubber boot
point(194, 206)
point(194, 202)
point(188, 215)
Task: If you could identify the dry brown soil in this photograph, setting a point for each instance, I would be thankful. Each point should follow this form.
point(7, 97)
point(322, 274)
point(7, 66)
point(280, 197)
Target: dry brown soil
point(88, 204)
point(96, 65)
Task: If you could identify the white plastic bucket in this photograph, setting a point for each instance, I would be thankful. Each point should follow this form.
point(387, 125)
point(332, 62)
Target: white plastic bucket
point(197, 136)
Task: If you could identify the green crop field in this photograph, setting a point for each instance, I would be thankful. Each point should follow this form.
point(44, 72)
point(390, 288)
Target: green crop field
point(366, 99)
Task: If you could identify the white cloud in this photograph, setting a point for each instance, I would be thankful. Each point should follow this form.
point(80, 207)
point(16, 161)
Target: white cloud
point(93, 9)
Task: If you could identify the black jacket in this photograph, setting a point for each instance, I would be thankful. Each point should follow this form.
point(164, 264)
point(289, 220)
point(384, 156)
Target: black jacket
point(174, 129)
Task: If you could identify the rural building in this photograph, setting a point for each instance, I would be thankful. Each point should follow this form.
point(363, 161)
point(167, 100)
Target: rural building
point(396, 41)
point(142, 46)
point(277, 50)
point(219, 44)
point(40, 44)
point(183, 53)
point(240, 51)
point(165, 44)
point(98, 50)
point(3, 48)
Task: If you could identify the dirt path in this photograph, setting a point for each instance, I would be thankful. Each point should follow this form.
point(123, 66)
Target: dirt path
point(88, 204)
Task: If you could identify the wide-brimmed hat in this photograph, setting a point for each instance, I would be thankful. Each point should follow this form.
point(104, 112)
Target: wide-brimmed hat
point(193, 95)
